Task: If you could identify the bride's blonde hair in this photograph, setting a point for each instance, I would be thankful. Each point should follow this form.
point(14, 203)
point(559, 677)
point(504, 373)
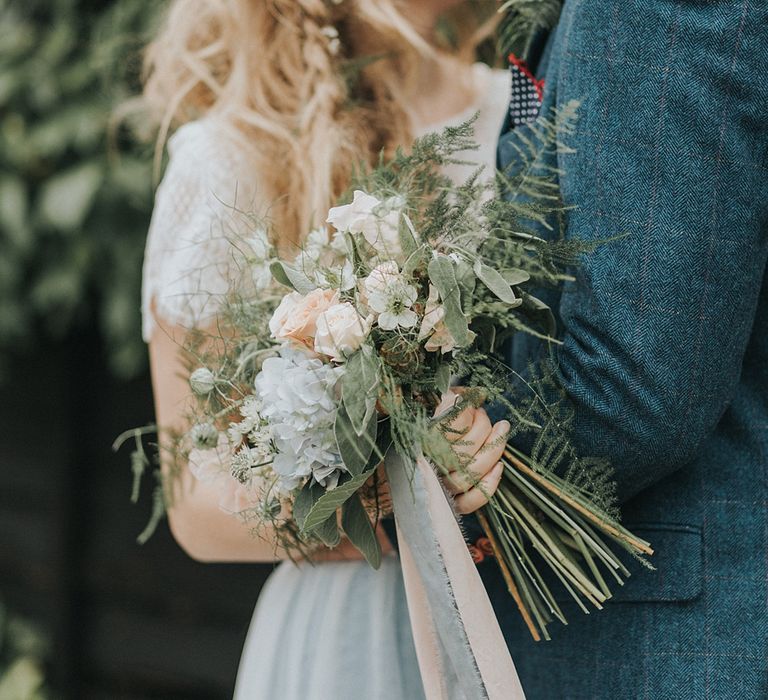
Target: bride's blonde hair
point(313, 103)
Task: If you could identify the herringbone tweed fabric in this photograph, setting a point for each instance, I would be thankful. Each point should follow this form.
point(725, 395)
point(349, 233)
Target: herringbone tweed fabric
point(666, 342)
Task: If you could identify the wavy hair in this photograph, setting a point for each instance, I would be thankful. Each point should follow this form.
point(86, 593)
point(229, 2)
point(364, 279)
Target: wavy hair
point(314, 104)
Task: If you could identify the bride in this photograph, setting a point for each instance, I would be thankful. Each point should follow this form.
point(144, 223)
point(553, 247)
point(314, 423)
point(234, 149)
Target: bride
point(272, 103)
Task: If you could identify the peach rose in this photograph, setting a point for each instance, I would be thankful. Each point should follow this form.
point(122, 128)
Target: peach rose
point(295, 319)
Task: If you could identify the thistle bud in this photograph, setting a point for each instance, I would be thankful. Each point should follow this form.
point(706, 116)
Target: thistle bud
point(202, 381)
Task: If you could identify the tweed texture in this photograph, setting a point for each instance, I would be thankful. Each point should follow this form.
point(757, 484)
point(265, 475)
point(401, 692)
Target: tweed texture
point(665, 354)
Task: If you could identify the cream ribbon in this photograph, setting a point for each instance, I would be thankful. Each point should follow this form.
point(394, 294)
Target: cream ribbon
point(461, 651)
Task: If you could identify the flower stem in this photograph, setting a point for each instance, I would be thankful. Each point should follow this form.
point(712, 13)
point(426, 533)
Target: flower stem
point(507, 575)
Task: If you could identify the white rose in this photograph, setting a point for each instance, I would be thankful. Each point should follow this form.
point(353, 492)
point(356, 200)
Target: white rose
point(377, 221)
point(340, 331)
point(286, 307)
point(351, 217)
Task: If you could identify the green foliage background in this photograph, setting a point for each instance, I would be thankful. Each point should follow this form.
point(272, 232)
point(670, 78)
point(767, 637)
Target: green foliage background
point(74, 202)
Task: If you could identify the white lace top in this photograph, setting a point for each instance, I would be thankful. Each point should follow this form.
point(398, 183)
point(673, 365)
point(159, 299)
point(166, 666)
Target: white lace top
point(188, 256)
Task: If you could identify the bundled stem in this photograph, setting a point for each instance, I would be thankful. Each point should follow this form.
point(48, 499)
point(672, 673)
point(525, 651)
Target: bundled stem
point(537, 510)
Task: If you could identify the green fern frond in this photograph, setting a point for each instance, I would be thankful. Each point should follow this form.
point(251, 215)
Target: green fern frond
point(523, 19)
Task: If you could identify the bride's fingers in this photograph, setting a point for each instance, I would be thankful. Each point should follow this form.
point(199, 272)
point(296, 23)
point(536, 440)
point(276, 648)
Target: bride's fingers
point(478, 496)
point(469, 444)
point(464, 479)
point(459, 425)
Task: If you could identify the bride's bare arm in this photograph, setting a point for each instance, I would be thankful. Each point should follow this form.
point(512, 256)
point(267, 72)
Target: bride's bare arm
point(201, 528)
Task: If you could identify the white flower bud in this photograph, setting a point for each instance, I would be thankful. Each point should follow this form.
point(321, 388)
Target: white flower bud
point(204, 436)
point(202, 381)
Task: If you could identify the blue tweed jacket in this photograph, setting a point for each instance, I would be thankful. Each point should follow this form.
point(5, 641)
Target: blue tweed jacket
point(665, 354)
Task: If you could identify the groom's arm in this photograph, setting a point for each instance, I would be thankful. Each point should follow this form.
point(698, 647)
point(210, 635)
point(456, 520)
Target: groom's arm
point(671, 149)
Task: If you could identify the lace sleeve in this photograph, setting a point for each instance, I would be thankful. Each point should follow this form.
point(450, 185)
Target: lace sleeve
point(188, 258)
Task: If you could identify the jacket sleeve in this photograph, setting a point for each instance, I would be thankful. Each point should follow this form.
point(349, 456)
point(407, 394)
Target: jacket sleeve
point(670, 151)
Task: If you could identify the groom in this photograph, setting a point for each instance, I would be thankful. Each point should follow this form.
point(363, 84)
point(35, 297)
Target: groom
point(665, 354)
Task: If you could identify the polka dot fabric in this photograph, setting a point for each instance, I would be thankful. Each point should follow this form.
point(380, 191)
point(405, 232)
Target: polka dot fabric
point(526, 94)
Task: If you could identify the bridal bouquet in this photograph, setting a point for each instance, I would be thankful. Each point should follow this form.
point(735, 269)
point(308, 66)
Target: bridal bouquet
point(327, 359)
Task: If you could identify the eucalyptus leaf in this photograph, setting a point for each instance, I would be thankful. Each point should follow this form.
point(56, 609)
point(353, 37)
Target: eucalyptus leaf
point(359, 530)
point(407, 235)
point(442, 275)
point(515, 276)
point(496, 283)
point(279, 275)
point(291, 277)
point(359, 387)
point(355, 450)
point(467, 280)
point(330, 501)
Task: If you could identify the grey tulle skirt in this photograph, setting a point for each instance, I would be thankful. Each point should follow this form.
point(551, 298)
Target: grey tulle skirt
point(334, 631)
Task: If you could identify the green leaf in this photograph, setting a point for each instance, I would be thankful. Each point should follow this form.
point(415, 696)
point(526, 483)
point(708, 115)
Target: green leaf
point(443, 378)
point(355, 449)
point(66, 198)
point(304, 501)
point(326, 505)
point(278, 272)
point(467, 280)
point(359, 387)
point(407, 235)
point(291, 277)
point(496, 283)
point(359, 530)
point(442, 275)
point(328, 531)
point(14, 210)
point(515, 277)
point(536, 309)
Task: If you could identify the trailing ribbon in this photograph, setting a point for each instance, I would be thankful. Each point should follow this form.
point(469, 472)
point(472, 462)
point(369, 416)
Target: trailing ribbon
point(461, 651)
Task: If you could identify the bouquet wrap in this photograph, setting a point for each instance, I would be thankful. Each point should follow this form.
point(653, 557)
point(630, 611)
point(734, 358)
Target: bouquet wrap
point(462, 652)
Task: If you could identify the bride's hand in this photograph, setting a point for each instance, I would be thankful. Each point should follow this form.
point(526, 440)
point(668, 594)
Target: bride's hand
point(481, 445)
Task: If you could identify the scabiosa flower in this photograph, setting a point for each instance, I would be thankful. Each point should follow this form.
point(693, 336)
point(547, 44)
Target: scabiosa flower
point(393, 304)
point(248, 462)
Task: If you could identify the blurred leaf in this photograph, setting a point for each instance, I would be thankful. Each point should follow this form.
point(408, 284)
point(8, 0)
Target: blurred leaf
point(73, 216)
point(13, 211)
point(66, 199)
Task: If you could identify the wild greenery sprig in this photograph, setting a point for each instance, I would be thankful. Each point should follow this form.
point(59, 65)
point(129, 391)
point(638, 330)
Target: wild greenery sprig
point(522, 20)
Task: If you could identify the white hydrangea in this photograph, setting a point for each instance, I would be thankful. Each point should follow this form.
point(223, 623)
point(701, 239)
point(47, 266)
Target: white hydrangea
point(298, 395)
